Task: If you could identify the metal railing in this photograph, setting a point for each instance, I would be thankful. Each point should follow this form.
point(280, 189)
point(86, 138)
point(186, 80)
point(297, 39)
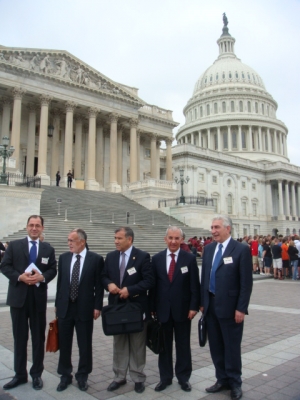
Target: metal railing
point(23, 180)
point(198, 200)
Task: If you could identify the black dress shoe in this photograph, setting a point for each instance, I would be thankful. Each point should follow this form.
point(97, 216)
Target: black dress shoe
point(236, 393)
point(185, 386)
point(217, 387)
point(83, 386)
point(37, 383)
point(62, 386)
point(139, 387)
point(115, 385)
point(162, 386)
point(14, 383)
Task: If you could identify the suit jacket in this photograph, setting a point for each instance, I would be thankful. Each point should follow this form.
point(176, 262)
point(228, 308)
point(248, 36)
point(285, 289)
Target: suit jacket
point(137, 283)
point(180, 295)
point(16, 260)
point(90, 291)
point(233, 280)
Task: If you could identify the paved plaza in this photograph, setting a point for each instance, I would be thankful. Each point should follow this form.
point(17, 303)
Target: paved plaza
point(271, 355)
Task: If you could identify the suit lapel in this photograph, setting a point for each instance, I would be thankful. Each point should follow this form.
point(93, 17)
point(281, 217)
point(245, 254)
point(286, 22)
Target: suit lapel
point(178, 265)
point(163, 262)
point(130, 263)
point(230, 247)
point(85, 265)
point(25, 250)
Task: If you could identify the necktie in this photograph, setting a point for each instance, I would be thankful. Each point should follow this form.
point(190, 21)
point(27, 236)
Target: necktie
point(172, 267)
point(122, 268)
point(75, 279)
point(212, 283)
point(32, 253)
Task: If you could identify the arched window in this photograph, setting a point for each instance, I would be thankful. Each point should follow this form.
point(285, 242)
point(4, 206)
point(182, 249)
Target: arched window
point(223, 76)
point(201, 112)
point(241, 106)
point(217, 77)
point(237, 75)
point(207, 109)
point(223, 106)
point(256, 108)
point(229, 204)
point(230, 75)
point(232, 106)
point(216, 108)
point(216, 141)
point(225, 140)
point(234, 140)
point(249, 106)
point(244, 140)
point(195, 113)
point(263, 109)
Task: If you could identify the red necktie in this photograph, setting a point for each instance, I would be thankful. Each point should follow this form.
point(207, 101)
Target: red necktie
point(172, 267)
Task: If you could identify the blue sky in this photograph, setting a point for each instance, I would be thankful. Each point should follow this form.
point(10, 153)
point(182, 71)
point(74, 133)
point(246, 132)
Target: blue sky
point(162, 47)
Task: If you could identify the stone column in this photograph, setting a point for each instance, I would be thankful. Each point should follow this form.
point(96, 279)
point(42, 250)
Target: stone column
point(284, 145)
point(133, 150)
point(192, 138)
point(6, 103)
point(269, 141)
point(229, 138)
point(269, 202)
point(294, 208)
point(280, 199)
point(240, 139)
point(199, 138)
point(219, 139)
point(275, 142)
point(256, 140)
point(120, 155)
point(100, 157)
point(250, 147)
point(68, 155)
point(287, 199)
point(31, 139)
point(113, 154)
point(280, 143)
point(138, 146)
point(169, 159)
point(43, 140)
point(55, 161)
point(260, 139)
point(153, 156)
point(158, 159)
point(208, 138)
point(16, 125)
point(298, 197)
point(91, 183)
point(78, 146)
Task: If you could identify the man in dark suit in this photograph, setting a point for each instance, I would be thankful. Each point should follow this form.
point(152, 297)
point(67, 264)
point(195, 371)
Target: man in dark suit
point(128, 275)
point(175, 300)
point(226, 289)
point(27, 298)
point(78, 302)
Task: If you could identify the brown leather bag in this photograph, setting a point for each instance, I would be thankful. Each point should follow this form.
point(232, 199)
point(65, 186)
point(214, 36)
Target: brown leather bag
point(52, 339)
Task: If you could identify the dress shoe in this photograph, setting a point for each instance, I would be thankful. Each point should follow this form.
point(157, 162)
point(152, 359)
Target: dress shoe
point(37, 383)
point(115, 385)
point(15, 382)
point(62, 386)
point(83, 386)
point(185, 386)
point(236, 393)
point(139, 387)
point(217, 387)
point(162, 386)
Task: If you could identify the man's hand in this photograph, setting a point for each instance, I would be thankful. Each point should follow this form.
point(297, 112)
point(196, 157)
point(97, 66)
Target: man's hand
point(36, 277)
point(239, 316)
point(124, 293)
point(27, 278)
point(96, 314)
point(113, 289)
point(192, 314)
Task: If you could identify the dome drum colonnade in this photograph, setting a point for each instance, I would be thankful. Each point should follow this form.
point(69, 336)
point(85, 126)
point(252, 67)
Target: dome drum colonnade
point(86, 114)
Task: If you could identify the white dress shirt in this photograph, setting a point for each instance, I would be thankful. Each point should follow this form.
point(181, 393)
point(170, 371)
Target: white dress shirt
point(225, 244)
point(74, 259)
point(127, 255)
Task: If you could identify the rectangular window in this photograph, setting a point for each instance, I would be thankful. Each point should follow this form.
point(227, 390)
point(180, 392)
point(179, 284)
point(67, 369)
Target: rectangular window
point(207, 109)
point(195, 113)
point(216, 141)
point(253, 186)
point(234, 140)
point(244, 208)
point(254, 209)
point(201, 177)
point(214, 179)
point(225, 140)
point(243, 185)
point(232, 106)
point(223, 107)
point(244, 140)
point(216, 108)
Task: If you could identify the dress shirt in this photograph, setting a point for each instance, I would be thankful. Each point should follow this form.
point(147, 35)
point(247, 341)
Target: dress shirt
point(127, 255)
point(225, 244)
point(37, 241)
point(169, 259)
point(74, 259)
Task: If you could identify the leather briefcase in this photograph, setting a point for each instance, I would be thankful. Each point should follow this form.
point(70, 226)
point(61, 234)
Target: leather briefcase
point(52, 339)
point(202, 331)
point(155, 336)
point(120, 318)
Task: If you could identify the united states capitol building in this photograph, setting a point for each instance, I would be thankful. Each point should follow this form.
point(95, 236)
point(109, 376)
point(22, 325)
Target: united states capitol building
point(61, 114)
point(234, 149)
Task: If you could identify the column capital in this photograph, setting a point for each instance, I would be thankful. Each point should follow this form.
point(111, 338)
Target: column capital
point(279, 180)
point(18, 93)
point(153, 136)
point(45, 99)
point(92, 112)
point(70, 106)
point(169, 141)
point(133, 123)
point(79, 118)
point(113, 117)
point(33, 107)
point(6, 101)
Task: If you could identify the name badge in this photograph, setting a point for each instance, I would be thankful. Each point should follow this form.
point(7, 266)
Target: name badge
point(131, 271)
point(227, 260)
point(184, 270)
point(45, 260)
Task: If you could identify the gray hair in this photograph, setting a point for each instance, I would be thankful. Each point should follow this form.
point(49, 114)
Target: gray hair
point(174, 228)
point(128, 231)
point(227, 221)
point(81, 233)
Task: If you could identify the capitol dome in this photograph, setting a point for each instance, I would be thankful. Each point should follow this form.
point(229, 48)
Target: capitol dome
point(231, 111)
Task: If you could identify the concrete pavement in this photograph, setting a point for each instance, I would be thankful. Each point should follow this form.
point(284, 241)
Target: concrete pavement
point(271, 355)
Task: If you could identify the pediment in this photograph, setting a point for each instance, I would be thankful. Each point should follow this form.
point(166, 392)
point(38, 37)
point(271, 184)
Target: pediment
point(64, 67)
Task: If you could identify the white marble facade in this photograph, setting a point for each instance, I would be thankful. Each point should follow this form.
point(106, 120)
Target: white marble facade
point(103, 132)
point(233, 148)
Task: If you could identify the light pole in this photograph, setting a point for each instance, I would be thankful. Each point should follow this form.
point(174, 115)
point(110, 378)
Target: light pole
point(5, 153)
point(182, 181)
